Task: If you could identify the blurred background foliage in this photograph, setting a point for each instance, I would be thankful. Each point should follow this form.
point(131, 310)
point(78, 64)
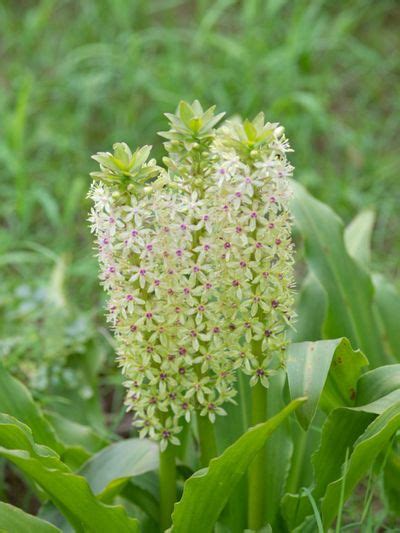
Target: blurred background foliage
point(77, 76)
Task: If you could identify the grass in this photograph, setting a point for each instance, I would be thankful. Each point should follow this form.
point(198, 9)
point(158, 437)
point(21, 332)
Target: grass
point(77, 76)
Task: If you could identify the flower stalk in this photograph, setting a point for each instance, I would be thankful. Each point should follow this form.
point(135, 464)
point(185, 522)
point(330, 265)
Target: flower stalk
point(167, 474)
point(256, 476)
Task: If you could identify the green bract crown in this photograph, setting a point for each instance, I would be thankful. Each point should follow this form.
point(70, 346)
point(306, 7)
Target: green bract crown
point(123, 168)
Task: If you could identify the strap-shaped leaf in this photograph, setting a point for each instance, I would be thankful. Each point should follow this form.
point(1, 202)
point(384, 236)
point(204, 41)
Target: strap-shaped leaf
point(17, 401)
point(330, 366)
point(69, 492)
point(207, 491)
point(348, 286)
point(111, 468)
point(364, 431)
point(14, 520)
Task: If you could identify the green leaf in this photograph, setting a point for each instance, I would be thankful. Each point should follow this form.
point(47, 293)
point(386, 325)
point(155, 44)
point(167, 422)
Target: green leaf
point(308, 366)
point(387, 305)
point(367, 448)
point(207, 491)
point(74, 434)
point(311, 311)
point(13, 520)
point(391, 483)
point(112, 467)
point(378, 383)
point(348, 286)
point(357, 236)
point(16, 400)
point(357, 429)
point(278, 452)
point(69, 492)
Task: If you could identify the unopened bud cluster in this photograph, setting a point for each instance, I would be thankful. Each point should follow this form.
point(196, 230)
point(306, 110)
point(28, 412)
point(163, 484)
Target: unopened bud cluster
point(197, 262)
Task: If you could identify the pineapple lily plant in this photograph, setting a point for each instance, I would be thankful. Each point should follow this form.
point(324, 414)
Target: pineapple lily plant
point(242, 417)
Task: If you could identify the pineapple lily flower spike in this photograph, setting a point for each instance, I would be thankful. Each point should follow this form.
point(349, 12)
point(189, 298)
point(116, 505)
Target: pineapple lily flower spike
point(197, 261)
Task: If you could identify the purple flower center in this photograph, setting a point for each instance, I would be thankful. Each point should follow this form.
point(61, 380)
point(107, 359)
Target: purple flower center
point(216, 330)
point(149, 247)
point(267, 332)
point(274, 303)
point(206, 247)
point(258, 245)
point(156, 282)
point(196, 268)
point(238, 194)
point(179, 253)
point(271, 225)
point(163, 376)
point(278, 241)
point(149, 315)
point(142, 271)
point(260, 372)
point(227, 245)
point(186, 290)
point(182, 351)
point(253, 214)
point(166, 434)
point(235, 283)
point(201, 308)
point(181, 370)
point(243, 264)
point(208, 286)
point(238, 229)
point(133, 328)
point(205, 218)
point(134, 233)
point(129, 297)
point(183, 227)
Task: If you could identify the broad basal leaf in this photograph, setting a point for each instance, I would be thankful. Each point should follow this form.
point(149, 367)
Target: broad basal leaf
point(378, 383)
point(348, 286)
point(357, 237)
point(14, 520)
point(387, 306)
point(112, 467)
point(355, 429)
point(308, 366)
point(16, 400)
point(207, 491)
point(69, 492)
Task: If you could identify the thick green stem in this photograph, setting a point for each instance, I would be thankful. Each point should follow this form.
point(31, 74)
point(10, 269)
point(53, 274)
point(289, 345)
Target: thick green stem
point(167, 486)
point(257, 481)
point(208, 445)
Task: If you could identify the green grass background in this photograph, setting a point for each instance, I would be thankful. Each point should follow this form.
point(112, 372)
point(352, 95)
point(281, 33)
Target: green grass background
point(77, 76)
